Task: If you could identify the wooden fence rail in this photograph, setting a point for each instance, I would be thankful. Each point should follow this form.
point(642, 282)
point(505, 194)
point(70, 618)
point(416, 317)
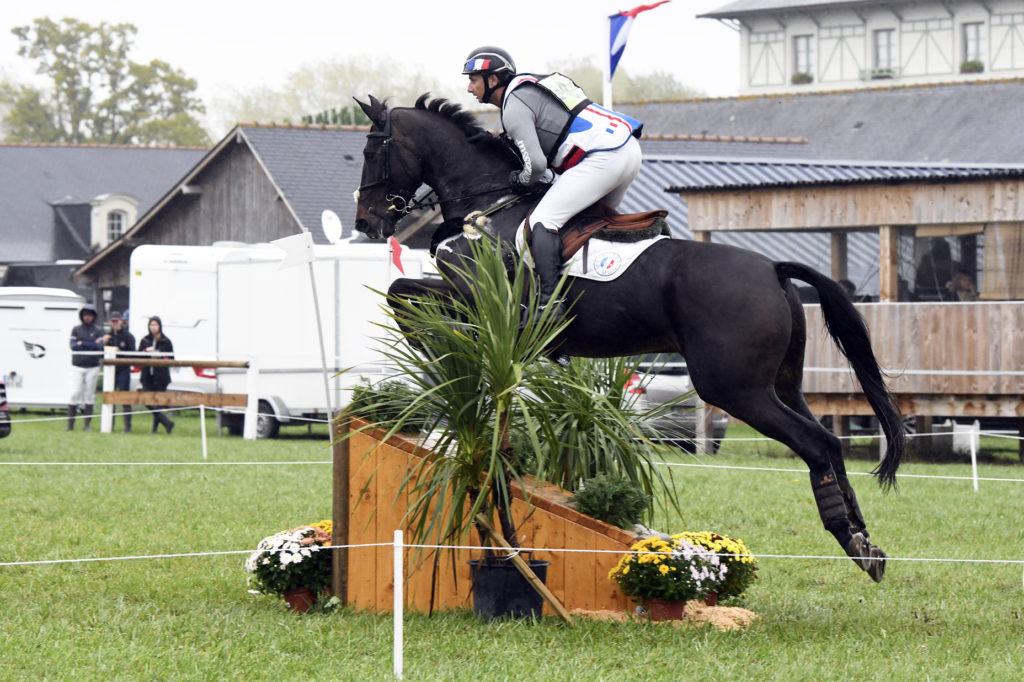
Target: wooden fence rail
point(112, 397)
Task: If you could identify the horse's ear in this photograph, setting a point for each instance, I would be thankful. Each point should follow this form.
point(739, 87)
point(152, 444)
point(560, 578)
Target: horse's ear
point(374, 111)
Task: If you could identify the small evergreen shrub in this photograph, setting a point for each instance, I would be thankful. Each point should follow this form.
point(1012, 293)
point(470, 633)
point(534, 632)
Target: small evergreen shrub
point(614, 500)
point(385, 403)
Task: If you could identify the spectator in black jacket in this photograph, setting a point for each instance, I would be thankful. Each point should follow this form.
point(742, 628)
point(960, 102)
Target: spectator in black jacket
point(86, 351)
point(157, 378)
point(122, 339)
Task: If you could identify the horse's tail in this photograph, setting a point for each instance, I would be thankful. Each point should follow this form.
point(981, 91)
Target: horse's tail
point(850, 333)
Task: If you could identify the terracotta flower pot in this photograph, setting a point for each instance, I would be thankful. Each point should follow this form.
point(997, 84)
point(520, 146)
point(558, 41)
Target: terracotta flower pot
point(711, 599)
point(659, 609)
point(299, 600)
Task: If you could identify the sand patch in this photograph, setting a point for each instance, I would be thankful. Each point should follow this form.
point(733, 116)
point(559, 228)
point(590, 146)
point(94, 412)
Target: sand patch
point(697, 614)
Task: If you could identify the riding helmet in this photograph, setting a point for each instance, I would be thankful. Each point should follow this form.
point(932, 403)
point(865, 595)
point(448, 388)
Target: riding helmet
point(489, 59)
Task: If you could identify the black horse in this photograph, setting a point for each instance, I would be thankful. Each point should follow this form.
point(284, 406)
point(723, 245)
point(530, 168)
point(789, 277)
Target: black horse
point(733, 314)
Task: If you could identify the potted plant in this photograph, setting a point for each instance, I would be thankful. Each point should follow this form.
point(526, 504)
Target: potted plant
point(740, 564)
point(482, 382)
point(972, 66)
point(291, 564)
point(662, 575)
point(800, 78)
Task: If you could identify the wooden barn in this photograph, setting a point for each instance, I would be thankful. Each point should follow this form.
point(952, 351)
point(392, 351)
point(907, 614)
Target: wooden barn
point(259, 183)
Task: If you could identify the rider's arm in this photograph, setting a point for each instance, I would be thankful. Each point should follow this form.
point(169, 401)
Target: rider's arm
point(520, 126)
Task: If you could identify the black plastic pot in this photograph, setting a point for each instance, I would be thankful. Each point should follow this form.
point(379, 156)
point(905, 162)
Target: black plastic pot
point(501, 591)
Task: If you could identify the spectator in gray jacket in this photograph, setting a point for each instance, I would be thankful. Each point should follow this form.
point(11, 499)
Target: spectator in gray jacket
point(86, 351)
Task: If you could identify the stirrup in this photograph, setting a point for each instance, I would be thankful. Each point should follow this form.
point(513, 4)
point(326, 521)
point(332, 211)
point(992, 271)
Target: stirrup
point(557, 309)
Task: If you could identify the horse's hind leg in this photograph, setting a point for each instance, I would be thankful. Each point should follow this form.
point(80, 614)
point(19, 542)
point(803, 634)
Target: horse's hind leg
point(765, 411)
point(788, 381)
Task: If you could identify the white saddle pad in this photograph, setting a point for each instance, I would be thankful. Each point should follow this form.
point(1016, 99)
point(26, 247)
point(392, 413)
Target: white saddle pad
point(599, 260)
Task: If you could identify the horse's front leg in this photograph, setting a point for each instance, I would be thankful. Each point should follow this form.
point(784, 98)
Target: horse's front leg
point(402, 295)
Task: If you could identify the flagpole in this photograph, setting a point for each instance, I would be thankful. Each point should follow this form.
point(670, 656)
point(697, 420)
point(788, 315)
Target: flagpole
point(606, 99)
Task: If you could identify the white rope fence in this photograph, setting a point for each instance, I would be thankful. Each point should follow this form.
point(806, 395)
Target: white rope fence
point(973, 435)
point(398, 545)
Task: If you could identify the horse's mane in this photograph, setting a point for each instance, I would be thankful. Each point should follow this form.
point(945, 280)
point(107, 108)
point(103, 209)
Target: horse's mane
point(464, 120)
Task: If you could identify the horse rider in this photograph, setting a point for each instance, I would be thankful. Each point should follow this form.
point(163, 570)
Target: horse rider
point(559, 132)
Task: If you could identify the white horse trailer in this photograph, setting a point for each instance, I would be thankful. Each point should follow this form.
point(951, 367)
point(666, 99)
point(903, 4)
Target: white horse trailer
point(35, 348)
point(235, 302)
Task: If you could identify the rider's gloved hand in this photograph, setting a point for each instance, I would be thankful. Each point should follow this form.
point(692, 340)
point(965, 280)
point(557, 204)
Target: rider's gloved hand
point(515, 181)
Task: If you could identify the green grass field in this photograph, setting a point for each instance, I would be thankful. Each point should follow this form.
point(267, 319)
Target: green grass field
point(192, 618)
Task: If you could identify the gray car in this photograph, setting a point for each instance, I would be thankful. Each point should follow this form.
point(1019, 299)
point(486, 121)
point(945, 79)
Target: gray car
point(662, 378)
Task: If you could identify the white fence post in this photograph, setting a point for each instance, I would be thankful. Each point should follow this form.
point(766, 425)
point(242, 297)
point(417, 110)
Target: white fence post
point(107, 409)
point(399, 599)
point(252, 414)
point(202, 426)
point(975, 436)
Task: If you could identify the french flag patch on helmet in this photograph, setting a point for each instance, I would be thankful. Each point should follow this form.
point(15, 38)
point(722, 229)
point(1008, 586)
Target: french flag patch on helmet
point(478, 65)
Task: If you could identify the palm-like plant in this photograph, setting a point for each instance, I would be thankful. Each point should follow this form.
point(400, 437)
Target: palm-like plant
point(479, 372)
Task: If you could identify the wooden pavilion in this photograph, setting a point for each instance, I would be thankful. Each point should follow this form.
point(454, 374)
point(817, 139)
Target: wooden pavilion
point(945, 358)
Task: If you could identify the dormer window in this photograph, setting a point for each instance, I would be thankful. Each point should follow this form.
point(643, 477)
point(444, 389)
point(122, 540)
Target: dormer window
point(115, 224)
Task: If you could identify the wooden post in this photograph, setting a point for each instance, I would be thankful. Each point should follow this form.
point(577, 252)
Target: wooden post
point(339, 508)
point(839, 255)
point(888, 263)
point(841, 429)
point(524, 568)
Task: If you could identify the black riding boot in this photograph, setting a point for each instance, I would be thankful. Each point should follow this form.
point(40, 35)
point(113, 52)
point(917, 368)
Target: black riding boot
point(546, 248)
point(87, 411)
point(127, 418)
point(72, 413)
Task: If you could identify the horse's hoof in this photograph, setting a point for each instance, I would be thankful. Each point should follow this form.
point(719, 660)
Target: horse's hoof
point(871, 559)
point(560, 358)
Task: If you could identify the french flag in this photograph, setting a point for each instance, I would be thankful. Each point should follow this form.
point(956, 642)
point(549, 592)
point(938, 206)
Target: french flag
point(620, 25)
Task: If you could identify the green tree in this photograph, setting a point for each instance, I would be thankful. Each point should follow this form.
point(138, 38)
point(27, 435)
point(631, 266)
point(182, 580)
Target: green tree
point(97, 94)
point(322, 93)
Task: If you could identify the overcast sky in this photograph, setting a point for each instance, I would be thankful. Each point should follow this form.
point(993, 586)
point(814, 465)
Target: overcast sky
point(233, 46)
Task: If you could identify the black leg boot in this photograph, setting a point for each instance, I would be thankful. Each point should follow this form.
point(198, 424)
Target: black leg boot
point(156, 422)
point(546, 247)
point(127, 418)
point(72, 413)
point(87, 411)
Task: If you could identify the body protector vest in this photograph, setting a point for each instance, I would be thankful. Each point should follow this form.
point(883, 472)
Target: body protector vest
point(588, 128)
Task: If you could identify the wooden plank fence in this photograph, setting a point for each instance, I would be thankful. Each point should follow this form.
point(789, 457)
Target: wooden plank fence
point(956, 358)
point(110, 397)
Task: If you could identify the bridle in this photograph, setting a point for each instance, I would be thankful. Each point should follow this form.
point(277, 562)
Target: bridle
point(402, 202)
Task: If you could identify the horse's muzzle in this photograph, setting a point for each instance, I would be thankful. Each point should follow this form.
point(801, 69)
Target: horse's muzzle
point(363, 226)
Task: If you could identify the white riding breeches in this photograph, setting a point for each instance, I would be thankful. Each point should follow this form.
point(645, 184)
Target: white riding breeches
point(600, 176)
point(83, 385)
